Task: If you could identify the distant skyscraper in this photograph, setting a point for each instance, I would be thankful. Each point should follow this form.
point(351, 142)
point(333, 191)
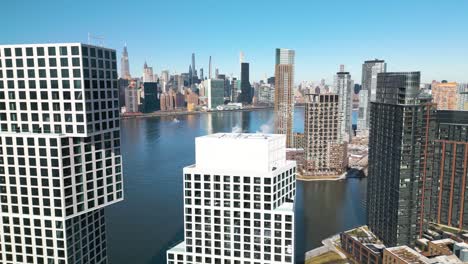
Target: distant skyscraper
point(123, 84)
point(191, 75)
point(284, 94)
point(201, 74)
point(326, 155)
point(246, 95)
point(194, 69)
point(124, 65)
point(344, 87)
point(445, 95)
point(214, 91)
point(216, 73)
point(235, 87)
point(209, 69)
point(59, 153)
point(462, 90)
point(234, 214)
point(132, 97)
point(148, 75)
point(151, 101)
point(401, 127)
point(370, 69)
point(164, 80)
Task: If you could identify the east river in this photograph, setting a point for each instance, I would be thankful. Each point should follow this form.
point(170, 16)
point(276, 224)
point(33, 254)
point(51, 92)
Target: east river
point(150, 219)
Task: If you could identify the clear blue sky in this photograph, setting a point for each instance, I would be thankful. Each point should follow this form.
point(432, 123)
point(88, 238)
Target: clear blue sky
point(430, 36)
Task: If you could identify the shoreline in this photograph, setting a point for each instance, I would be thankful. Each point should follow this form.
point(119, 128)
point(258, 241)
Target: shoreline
point(325, 178)
point(345, 176)
point(185, 112)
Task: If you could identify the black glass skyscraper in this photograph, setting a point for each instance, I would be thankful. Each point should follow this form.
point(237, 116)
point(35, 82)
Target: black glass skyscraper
point(402, 123)
point(151, 100)
point(246, 95)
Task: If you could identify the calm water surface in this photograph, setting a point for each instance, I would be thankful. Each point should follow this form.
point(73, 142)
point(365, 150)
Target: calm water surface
point(150, 219)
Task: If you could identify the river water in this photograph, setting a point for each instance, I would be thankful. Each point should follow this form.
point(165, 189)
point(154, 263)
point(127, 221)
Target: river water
point(150, 219)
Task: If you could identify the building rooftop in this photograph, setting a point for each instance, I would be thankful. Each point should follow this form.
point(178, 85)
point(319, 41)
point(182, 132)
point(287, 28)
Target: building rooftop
point(178, 248)
point(408, 255)
point(51, 44)
point(241, 152)
point(451, 259)
point(363, 234)
point(443, 241)
point(240, 136)
point(287, 207)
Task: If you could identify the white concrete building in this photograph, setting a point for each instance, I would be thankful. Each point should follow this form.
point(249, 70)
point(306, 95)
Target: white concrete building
point(238, 206)
point(60, 162)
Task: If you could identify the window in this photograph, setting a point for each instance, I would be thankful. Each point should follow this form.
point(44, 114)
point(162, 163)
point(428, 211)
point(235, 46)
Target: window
point(51, 51)
point(63, 51)
point(75, 50)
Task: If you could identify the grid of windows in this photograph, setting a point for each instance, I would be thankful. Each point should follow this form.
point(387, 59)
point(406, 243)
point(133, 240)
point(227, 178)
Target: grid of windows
point(237, 219)
point(60, 161)
point(69, 88)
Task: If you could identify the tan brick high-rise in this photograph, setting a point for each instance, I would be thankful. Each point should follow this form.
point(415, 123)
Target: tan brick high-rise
point(284, 94)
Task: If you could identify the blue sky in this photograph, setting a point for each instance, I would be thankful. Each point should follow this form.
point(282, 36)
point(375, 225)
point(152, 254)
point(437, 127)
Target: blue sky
point(430, 36)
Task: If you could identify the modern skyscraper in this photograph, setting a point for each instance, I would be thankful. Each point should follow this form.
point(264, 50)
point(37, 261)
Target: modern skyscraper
point(151, 101)
point(202, 77)
point(60, 159)
point(370, 69)
point(124, 65)
point(209, 69)
point(214, 89)
point(326, 155)
point(344, 87)
point(401, 127)
point(235, 87)
point(246, 88)
point(448, 162)
point(194, 69)
point(238, 214)
point(191, 75)
point(165, 76)
point(148, 75)
point(284, 94)
point(445, 95)
point(123, 84)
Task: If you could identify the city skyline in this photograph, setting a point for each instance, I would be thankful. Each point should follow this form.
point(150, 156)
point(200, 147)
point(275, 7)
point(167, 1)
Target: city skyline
point(407, 42)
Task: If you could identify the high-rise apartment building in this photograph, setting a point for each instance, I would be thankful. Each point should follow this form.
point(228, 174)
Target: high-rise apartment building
point(60, 162)
point(284, 94)
point(370, 69)
point(402, 124)
point(448, 162)
point(445, 95)
point(125, 65)
point(246, 88)
point(238, 214)
point(326, 155)
point(344, 87)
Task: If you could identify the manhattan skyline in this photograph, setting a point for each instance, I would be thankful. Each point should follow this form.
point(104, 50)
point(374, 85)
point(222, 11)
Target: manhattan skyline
point(324, 35)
